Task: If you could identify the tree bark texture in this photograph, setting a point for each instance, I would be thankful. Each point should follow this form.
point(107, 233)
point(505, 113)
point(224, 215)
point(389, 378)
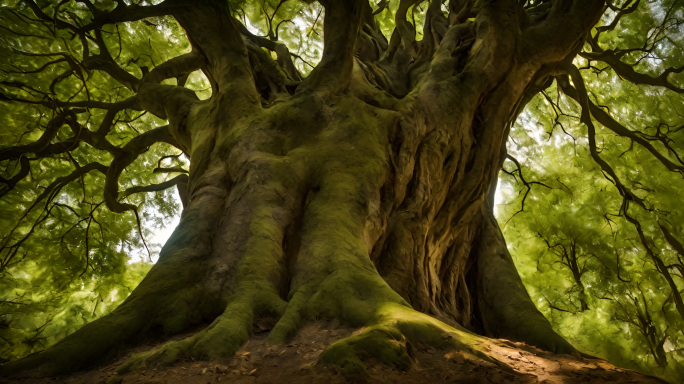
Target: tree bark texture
point(360, 195)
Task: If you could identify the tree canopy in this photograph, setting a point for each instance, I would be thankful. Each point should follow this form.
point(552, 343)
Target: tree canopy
point(589, 196)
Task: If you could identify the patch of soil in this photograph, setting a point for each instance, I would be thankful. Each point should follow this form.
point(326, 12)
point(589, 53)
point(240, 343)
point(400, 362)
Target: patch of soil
point(261, 362)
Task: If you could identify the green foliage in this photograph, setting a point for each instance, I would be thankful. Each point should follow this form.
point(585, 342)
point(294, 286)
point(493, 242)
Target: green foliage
point(583, 261)
point(39, 308)
point(66, 259)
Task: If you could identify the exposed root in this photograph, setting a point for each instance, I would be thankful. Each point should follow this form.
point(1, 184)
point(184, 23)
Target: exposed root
point(383, 343)
point(220, 340)
point(390, 336)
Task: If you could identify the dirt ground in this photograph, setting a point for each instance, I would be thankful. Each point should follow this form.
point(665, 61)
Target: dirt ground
point(260, 362)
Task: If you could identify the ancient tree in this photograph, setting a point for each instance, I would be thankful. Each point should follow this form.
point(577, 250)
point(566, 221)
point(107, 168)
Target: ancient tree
point(359, 187)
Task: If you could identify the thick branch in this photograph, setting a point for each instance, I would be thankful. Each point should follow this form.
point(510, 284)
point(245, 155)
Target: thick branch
point(104, 62)
point(627, 72)
point(284, 58)
point(556, 35)
point(129, 153)
point(176, 67)
point(341, 28)
point(122, 13)
point(227, 61)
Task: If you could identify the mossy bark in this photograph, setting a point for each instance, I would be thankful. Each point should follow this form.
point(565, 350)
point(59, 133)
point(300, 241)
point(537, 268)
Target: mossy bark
point(340, 200)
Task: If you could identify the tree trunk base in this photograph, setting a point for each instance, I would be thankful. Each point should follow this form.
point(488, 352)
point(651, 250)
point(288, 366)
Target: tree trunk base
point(415, 350)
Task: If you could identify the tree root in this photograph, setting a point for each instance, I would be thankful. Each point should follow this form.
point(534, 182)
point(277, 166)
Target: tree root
point(221, 339)
point(391, 337)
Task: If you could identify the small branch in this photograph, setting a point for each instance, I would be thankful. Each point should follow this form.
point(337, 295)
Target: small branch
point(607, 121)
point(585, 118)
point(48, 194)
point(155, 187)
point(527, 185)
point(7, 185)
point(659, 264)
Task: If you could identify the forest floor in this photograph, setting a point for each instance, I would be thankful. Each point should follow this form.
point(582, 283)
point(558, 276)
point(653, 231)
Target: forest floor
point(261, 362)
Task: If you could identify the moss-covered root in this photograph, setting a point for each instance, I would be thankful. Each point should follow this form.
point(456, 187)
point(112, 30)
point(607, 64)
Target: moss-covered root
point(381, 342)
point(221, 339)
point(390, 336)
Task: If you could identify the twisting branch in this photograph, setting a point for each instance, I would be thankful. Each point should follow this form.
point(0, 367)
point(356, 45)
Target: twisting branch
point(103, 61)
point(403, 28)
point(627, 71)
point(613, 57)
point(49, 195)
point(176, 67)
point(435, 27)
point(270, 76)
point(528, 185)
point(283, 55)
point(73, 110)
point(128, 154)
point(585, 118)
point(155, 187)
point(638, 137)
point(121, 13)
point(7, 185)
point(657, 261)
point(170, 101)
point(48, 135)
point(626, 9)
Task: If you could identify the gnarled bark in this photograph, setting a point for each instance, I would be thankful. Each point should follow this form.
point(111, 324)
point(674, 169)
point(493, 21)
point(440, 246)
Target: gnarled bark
point(361, 196)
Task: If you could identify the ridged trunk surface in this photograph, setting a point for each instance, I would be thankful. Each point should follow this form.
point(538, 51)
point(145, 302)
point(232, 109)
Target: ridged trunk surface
point(365, 195)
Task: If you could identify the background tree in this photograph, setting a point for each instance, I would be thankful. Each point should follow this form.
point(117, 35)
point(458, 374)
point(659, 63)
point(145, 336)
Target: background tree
point(342, 159)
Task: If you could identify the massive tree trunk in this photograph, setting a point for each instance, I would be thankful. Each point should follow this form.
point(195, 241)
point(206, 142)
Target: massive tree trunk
point(360, 196)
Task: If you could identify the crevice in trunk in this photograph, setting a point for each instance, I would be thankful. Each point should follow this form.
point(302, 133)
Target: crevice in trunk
point(292, 242)
point(475, 323)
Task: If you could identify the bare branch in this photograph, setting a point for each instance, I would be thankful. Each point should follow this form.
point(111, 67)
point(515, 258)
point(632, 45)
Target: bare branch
point(6, 185)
